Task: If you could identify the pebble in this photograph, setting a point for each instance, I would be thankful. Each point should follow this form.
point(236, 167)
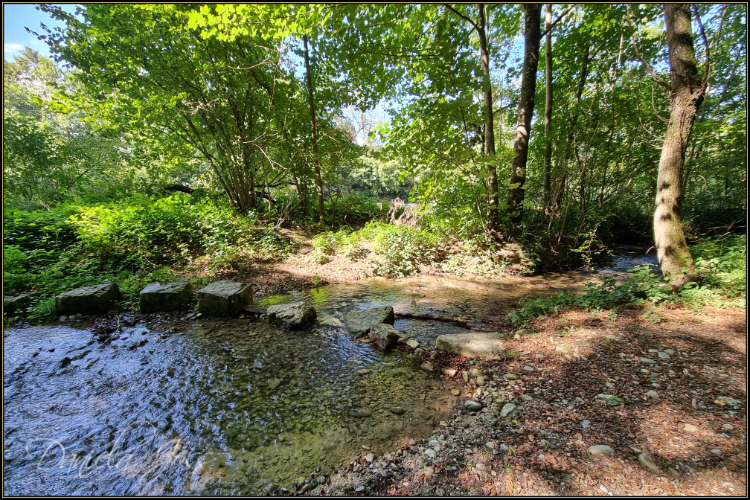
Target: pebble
point(455, 392)
point(450, 371)
point(647, 361)
point(490, 445)
point(586, 424)
point(526, 397)
point(426, 366)
point(412, 442)
point(504, 447)
point(528, 368)
point(646, 460)
point(363, 371)
point(664, 355)
point(370, 457)
point(507, 409)
point(359, 489)
point(480, 381)
point(673, 471)
point(472, 405)
point(397, 410)
point(428, 472)
point(600, 449)
point(727, 427)
point(539, 356)
point(510, 376)
point(516, 337)
point(671, 352)
point(690, 428)
point(465, 376)
point(716, 451)
point(652, 394)
point(412, 343)
point(653, 350)
point(644, 371)
point(430, 453)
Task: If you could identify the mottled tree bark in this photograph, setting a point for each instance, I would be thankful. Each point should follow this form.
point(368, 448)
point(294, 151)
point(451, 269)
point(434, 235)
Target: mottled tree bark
point(548, 105)
point(489, 121)
point(533, 14)
point(686, 95)
point(316, 164)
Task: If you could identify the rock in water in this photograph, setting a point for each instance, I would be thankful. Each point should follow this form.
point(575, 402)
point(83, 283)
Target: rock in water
point(296, 315)
point(224, 298)
point(359, 323)
point(95, 299)
point(472, 345)
point(384, 336)
point(170, 297)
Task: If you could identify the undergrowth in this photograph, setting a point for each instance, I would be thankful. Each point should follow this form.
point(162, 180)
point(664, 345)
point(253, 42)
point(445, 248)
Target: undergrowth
point(720, 261)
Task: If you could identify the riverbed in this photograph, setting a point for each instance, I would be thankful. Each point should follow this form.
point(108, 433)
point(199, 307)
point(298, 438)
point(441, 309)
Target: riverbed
point(234, 406)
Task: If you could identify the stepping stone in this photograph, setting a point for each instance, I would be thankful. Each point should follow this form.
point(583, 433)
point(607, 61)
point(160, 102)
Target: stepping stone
point(384, 336)
point(224, 298)
point(472, 345)
point(359, 323)
point(95, 299)
point(296, 315)
point(169, 297)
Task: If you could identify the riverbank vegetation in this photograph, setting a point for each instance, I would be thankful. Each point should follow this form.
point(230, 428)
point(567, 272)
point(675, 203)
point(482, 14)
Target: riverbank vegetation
point(165, 141)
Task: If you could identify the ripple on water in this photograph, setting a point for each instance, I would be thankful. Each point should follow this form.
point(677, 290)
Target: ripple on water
point(232, 404)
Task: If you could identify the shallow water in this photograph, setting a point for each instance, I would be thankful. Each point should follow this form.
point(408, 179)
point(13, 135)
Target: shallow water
point(228, 406)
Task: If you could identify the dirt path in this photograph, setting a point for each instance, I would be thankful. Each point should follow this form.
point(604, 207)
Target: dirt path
point(693, 424)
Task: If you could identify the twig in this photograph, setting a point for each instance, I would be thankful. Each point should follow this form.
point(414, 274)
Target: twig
point(552, 26)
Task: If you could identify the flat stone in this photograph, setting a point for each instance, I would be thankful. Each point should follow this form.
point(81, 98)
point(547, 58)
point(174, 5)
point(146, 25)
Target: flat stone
point(426, 366)
point(690, 428)
point(450, 371)
point(600, 449)
point(95, 299)
point(296, 315)
point(224, 298)
point(508, 408)
point(384, 336)
point(671, 352)
point(664, 355)
point(472, 345)
point(716, 451)
point(16, 303)
point(647, 460)
point(510, 376)
point(359, 323)
point(652, 394)
point(168, 297)
point(727, 427)
point(647, 361)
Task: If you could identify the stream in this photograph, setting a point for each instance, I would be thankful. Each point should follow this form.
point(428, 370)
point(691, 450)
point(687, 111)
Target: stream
point(234, 406)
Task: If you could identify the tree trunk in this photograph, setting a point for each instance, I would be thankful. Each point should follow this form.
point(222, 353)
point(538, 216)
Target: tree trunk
point(316, 165)
point(489, 122)
point(687, 94)
point(533, 14)
point(548, 105)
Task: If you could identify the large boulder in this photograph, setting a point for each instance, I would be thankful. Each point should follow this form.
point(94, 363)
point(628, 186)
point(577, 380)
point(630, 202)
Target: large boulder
point(472, 345)
point(95, 299)
point(169, 297)
point(15, 304)
point(224, 298)
point(359, 323)
point(384, 336)
point(296, 315)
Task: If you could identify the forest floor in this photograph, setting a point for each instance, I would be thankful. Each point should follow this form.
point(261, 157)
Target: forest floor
point(693, 424)
point(684, 407)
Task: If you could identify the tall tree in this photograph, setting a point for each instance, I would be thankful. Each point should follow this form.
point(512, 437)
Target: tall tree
point(687, 92)
point(548, 105)
point(316, 161)
point(532, 18)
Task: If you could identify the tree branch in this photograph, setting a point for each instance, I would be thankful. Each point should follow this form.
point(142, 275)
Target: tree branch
point(651, 71)
point(462, 16)
point(552, 26)
point(704, 80)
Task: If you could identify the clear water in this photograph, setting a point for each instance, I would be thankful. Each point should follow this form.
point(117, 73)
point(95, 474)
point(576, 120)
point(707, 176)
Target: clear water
point(228, 406)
